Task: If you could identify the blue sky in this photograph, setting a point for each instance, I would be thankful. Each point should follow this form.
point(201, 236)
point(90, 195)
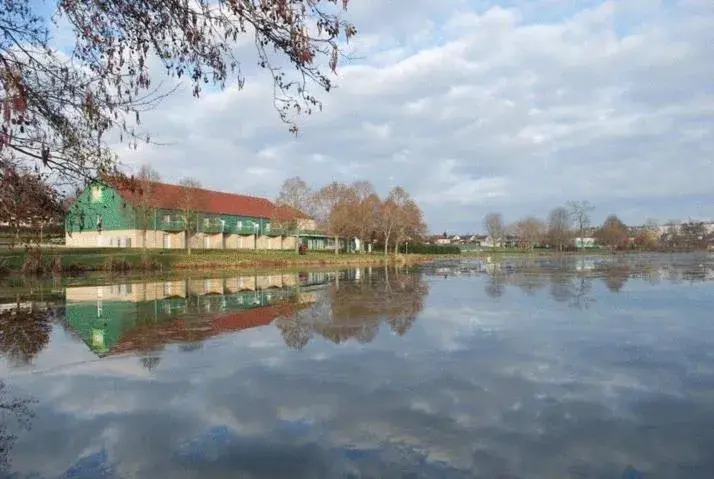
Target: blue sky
point(479, 106)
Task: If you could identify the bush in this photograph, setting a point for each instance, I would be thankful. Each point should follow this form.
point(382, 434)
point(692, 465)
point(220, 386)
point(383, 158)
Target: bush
point(430, 249)
point(117, 265)
point(34, 262)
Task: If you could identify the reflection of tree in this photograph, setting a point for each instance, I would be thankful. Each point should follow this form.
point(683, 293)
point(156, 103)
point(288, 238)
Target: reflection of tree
point(191, 346)
point(572, 289)
point(11, 410)
point(496, 284)
point(24, 333)
point(615, 277)
point(530, 281)
point(150, 362)
point(295, 330)
point(356, 309)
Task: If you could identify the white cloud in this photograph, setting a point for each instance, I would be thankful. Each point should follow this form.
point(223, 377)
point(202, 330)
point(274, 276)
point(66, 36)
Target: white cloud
point(480, 106)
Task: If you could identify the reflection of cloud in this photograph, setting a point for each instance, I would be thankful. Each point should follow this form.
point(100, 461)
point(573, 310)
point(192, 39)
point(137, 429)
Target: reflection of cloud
point(535, 388)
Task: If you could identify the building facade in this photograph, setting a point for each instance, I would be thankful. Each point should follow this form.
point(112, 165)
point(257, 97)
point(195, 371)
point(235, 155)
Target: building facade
point(114, 215)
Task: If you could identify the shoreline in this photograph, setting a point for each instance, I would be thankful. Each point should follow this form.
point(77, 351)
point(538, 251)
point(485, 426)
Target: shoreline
point(49, 262)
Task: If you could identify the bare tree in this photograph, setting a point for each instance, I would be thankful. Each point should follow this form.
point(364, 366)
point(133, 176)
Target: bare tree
point(189, 208)
point(530, 231)
point(580, 215)
point(559, 221)
point(493, 222)
point(410, 223)
point(330, 208)
point(144, 208)
point(392, 217)
point(57, 110)
point(294, 194)
point(387, 221)
point(365, 211)
point(27, 201)
point(613, 233)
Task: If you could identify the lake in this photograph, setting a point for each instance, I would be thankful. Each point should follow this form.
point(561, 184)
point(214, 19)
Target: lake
point(578, 367)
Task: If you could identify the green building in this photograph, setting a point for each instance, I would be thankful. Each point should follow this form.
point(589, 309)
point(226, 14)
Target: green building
point(157, 215)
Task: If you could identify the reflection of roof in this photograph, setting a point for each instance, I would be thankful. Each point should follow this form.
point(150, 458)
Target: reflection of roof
point(153, 336)
point(170, 197)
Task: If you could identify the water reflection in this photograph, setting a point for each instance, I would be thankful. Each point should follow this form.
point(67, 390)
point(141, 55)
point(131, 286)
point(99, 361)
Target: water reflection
point(571, 279)
point(355, 309)
point(24, 331)
point(15, 415)
point(143, 317)
point(388, 373)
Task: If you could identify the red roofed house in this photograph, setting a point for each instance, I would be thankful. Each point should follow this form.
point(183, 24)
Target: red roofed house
point(116, 213)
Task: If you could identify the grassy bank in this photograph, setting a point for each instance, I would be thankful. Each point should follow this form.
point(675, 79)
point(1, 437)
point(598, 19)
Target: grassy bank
point(68, 260)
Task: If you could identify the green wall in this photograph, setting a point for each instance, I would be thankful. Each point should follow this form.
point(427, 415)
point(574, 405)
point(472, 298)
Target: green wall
point(114, 212)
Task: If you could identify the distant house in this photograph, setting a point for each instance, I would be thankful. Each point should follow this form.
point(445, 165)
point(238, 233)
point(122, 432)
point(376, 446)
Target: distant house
point(107, 214)
point(585, 242)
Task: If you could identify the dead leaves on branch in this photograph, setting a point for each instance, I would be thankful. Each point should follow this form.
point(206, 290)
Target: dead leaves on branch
point(58, 110)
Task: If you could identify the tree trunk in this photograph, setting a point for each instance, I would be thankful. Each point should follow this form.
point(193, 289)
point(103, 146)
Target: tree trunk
point(17, 232)
point(386, 244)
point(297, 243)
point(188, 242)
point(337, 245)
point(146, 235)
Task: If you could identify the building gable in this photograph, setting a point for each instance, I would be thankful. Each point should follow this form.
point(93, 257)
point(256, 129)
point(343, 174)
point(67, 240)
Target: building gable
point(99, 207)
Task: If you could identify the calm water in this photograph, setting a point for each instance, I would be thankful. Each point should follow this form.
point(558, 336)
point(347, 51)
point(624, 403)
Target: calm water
point(582, 368)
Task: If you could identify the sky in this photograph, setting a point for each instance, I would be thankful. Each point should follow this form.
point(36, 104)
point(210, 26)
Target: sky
point(477, 106)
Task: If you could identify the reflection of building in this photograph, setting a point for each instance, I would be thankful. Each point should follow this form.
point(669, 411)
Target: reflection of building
point(146, 316)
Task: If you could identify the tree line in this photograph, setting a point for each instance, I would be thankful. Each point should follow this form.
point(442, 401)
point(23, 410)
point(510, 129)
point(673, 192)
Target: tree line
point(355, 210)
point(567, 224)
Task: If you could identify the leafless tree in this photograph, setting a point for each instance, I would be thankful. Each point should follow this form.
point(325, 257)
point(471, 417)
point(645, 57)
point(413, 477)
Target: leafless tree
point(295, 195)
point(613, 233)
point(580, 215)
point(493, 222)
point(559, 222)
point(189, 208)
point(365, 206)
point(144, 208)
point(530, 231)
point(330, 207)
point(27, 201)
point(410, 224)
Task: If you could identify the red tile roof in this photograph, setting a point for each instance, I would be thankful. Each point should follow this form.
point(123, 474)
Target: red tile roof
point(176, 330)
point(170, 197)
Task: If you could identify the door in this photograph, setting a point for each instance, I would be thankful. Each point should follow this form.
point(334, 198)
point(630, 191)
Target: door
point(167, 241)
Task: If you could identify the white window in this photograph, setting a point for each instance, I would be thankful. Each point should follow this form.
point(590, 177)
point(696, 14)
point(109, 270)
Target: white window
point(239, 224)
point(96, 194)
point(167, 218)
point(267, 226)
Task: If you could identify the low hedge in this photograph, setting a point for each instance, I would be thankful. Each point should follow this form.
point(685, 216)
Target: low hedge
point(430, 249)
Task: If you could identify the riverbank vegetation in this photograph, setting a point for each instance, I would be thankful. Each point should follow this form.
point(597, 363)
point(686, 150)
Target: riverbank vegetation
point(38, 261)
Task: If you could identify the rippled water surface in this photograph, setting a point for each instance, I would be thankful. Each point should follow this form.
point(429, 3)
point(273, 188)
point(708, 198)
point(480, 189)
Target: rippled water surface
point(551, 368)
